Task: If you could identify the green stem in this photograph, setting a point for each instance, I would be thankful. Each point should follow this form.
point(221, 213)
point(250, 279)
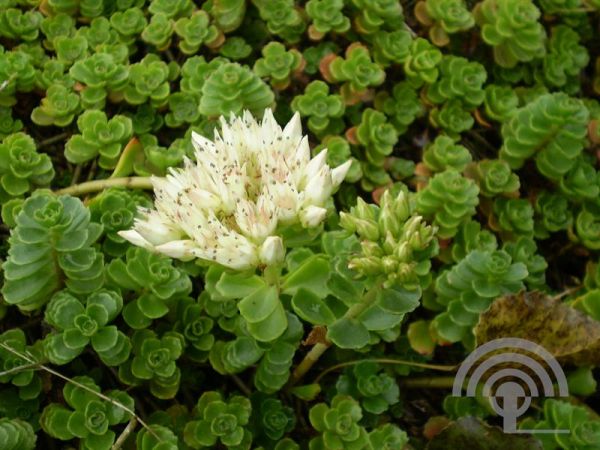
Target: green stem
point(317, 351)
point(429, 382)
point(100, 185)
point(272, 274)
point(439, 367)
point(309, 360)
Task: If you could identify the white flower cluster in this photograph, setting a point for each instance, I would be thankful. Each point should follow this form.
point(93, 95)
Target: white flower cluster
point(226, 206)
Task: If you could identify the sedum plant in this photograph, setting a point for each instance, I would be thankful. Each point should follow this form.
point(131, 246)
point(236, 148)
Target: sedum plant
point(233, 88)
point(150, 280)
point(219, 421)
point(391, 47)
point(555, 143)
point(499, 102)
point(402, 107)
point(327, 17)
point(376, 391)
point(155, 361)
point(558, 414)
point(565, 60)
point(459, 80)
point(450, 158)
point(552, 214)
point(356, 70)
point(324, 111)
point(450, 199)
point(282, 18)
point(88, 417)
point(494, 177)
point(443, 154)
point(444, 18)
point(51, 247)
point(374, 15)
point(17, 434)
point(278, 64)
point(27, 382)
point(148, 80)
point(469, 287)
point(115, 210)
point(22, 167)
point(512, 28)
point(376, 135)
point(100, 137)
point(422, 64)
point(79, 324)
point(337, 425)
point(101, 75)
point(513, 215)
point(196, 31)
point(58, 108)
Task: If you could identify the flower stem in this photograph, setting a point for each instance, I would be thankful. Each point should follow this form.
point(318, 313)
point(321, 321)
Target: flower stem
point(317, 351)
point(100, 185)
point(439, 367)
point(309, 360)
point(429, 382)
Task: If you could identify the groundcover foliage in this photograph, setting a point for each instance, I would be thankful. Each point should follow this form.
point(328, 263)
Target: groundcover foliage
point(283, 292)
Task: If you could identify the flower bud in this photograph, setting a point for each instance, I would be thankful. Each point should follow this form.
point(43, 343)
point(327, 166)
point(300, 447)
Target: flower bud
point(363, 210)
point(402, 206)
point(367, 229)
point(404, 252)
point(390, 264)
point(347, 222)
point(371, 249)
point(389, 243)
point(410, 227)
point(367, 266)
point(272, 251)
point(388, 220)
point(312, 216)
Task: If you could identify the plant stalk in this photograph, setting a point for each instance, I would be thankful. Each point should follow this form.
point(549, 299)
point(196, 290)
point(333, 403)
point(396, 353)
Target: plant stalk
point(317, 351)
point(428, 382)
point(100, 185)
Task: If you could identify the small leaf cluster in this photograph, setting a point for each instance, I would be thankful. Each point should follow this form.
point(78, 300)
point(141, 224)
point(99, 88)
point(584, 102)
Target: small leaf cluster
point(22, 167)
point(87, 417)
point(79, 324)
point(51, 247)
point(483, 275)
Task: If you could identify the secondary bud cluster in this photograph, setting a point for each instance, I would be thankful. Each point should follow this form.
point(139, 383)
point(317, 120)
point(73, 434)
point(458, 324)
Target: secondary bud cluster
point(395, 243)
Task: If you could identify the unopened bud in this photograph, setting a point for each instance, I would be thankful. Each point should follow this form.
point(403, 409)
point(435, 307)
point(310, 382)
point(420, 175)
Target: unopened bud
point(312, 216)
point(363, 210)
point(367, 229)
point(370, 248)
point(404, 252)
point(411, 226)
point(389, 243)
point(347, 222)
point(367, 266)
point(388, 221)
point(272, 251)
point(390, 264)
point(402, 206)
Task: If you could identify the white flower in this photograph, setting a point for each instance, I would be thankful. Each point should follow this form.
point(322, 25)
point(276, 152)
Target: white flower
point(228, 204)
